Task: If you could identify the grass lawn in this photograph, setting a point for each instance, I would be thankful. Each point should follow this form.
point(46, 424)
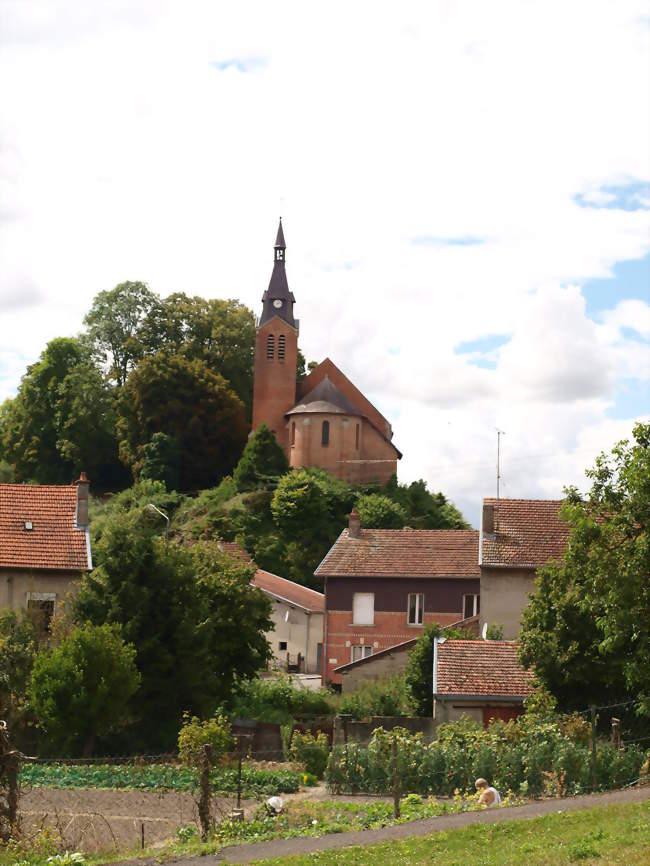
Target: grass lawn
point(605, 835)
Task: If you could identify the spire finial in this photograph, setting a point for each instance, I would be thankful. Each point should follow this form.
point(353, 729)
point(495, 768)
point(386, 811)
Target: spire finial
point(279, 241)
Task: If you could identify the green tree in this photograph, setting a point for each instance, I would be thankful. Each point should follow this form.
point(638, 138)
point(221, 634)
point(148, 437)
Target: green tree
point(219, 332)
point(380, 512)
point(186, 401)
point(424, 510)
point(161, 460)
point(62, 420)
point(191, 614)
point(80, 688)
point(114, 326)
point(18, 648)
point(262, 463)
point(419, 668)
point(586, 630)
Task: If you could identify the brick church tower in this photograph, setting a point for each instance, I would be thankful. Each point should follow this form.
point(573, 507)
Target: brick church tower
point(276, 351)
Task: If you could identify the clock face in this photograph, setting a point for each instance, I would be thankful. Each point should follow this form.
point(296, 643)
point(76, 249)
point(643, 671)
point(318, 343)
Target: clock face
point(277, 303)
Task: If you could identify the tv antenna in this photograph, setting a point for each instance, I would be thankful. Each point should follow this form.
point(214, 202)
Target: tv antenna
point(500, 433)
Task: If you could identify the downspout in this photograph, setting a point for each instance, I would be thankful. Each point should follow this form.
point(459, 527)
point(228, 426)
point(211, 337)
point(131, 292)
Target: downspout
point(323, 661)
point(308, 615)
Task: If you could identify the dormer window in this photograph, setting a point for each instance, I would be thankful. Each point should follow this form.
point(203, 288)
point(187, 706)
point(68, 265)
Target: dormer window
point(29, 525)
point(281, 347)
point(270, 347)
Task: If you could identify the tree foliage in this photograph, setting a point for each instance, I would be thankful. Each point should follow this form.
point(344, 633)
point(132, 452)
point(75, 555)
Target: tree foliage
point(62, 420)
point(586, 630)
point(188, 402)
point(424, 510)
point(18, 648)
point(262, 463)
point(380, 512)
point(419, 669)
point(80, 687)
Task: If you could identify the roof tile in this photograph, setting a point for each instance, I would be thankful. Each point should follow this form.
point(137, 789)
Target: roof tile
point(528, 533)
point(292, 592)
point(403, 553)
point(54, 542)
point(481, 667)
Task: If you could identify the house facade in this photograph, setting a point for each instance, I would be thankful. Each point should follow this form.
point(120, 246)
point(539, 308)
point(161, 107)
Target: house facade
point(323, 420)
point(480, 679)
point(518, 536)
point(382, 586)
point(44, 544)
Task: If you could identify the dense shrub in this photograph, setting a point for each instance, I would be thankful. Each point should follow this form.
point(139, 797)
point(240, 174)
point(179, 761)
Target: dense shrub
point(280, 700)
point(387, 697)
point(195, 735)
point(312, 752)
point(528, 755)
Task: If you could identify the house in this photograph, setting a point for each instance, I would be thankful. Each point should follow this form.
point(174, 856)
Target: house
point(518, 536)
point(323, 420)
point(481, 679)
point(298, 612)
point(297, 615)
point(44, 544)
point(382, 586)
point(388, 662)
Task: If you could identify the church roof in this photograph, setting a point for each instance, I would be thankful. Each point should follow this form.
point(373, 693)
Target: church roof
point(327, 398)
point(279, 241)
point(278, 289)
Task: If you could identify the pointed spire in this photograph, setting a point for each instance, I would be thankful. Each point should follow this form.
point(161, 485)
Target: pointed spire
point(279, 241)
point(278, 300)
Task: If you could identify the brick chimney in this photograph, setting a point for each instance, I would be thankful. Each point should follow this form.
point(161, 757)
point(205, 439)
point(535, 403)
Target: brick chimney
point(81, 514)
point(488, 519)
point(354, 524)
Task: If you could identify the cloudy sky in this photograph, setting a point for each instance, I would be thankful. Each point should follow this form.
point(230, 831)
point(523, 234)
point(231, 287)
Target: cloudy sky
point(465, 188)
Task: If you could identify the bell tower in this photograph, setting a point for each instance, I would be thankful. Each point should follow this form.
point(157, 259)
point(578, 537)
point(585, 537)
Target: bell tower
point(276, 351)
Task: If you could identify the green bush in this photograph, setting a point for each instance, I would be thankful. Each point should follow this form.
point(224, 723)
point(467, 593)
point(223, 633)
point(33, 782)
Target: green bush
point(386, 697)
point(280, 700)
point(312, 752)
point(195, 735)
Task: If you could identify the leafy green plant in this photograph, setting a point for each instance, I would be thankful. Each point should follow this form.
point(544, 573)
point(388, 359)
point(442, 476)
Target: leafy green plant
point(312, 752)
point(387, 697)
point(196, 734)
point(280, 700)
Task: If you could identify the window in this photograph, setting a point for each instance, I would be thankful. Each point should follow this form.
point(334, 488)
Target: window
point(471, 605)
point(363, 608)
point(356, 438)
point(282, 645)
point(360, 652)
point(282, 340)
point(43, 605)
point(325, 435)
point(416, 608)
point(270, 347)
point(293, 432)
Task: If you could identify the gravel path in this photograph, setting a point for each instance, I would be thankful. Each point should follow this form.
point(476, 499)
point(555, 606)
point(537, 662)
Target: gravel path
point(277, 848)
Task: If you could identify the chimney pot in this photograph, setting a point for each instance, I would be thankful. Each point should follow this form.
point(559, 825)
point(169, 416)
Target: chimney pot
point(81, 514)
point(354, 524)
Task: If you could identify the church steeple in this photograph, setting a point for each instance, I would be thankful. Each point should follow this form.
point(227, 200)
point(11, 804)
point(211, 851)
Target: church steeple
point(277, 299)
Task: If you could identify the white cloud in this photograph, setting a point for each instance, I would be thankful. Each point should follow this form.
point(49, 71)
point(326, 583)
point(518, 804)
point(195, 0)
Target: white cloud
point(127, 154)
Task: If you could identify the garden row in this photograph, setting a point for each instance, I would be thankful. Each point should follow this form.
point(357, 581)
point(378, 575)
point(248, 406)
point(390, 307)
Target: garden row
point(529, 758)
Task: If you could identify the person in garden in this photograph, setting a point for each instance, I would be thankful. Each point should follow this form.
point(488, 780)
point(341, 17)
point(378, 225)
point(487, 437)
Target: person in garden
point(489, 795)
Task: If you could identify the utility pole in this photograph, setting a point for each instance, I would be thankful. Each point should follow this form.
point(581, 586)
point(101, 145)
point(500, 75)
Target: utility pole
point(500, 433)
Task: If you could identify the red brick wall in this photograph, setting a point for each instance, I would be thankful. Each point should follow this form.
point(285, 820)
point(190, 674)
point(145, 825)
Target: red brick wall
point(274, 383)
point(389, 629)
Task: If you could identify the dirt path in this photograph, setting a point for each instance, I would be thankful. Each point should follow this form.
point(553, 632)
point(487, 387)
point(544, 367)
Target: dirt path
point(277, 848)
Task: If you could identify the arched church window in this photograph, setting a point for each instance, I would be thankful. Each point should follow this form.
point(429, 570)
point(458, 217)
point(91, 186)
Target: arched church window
point(325, 434)
point(270, 347)
point(293, 432)
point(356, 439)
point(281, 347)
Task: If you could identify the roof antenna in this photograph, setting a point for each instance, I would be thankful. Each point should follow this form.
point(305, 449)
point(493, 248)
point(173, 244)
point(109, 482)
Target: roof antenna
point(500, 433)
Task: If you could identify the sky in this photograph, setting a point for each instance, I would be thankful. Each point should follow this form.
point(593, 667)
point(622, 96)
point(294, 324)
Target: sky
point(465, 189)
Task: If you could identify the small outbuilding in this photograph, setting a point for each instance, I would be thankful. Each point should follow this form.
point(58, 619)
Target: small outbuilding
point(481, 679)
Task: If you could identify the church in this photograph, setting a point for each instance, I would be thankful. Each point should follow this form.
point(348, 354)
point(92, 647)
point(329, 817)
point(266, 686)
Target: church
point(322, 420)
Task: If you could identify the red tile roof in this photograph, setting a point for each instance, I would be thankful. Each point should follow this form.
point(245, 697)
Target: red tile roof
point(54, 542)
point(528, 533)
point(481, 667)
point(403, 553)
point(289, 591)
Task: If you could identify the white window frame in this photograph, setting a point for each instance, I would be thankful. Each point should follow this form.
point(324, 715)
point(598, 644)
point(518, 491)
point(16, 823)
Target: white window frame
point(363, 651)
point(419, 608)
point(357, 619)
point(476, 604)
